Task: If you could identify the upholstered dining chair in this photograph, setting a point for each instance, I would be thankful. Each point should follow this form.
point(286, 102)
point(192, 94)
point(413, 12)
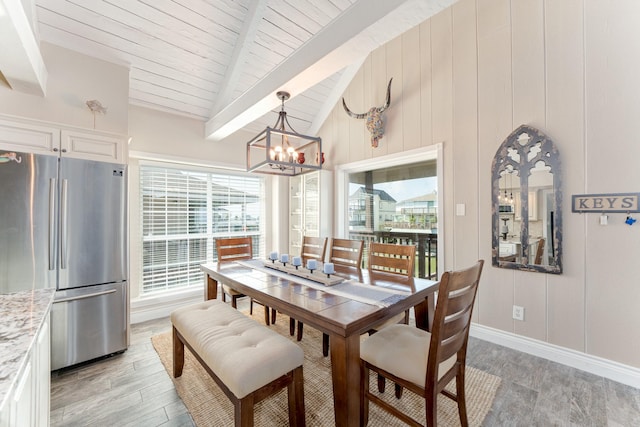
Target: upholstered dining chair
point(237, 249)
point(392, 259)
point(425, 362)
point(343, 252)
point(312, 248)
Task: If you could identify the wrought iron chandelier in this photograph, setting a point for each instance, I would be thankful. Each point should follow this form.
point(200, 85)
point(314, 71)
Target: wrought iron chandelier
point(278, 151)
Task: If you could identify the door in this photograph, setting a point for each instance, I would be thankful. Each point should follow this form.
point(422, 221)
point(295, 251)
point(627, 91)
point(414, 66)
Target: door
point(27, 221)
point(93, 227)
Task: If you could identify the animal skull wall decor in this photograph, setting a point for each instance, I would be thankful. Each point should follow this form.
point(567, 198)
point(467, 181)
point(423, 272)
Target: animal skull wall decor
point(375, 119)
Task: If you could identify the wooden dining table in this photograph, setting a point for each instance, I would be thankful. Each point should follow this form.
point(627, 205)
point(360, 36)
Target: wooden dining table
point(339, 311)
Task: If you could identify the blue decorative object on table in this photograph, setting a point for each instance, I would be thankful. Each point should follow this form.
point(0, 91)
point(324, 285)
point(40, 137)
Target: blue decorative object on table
point(296, 262)
point(328, 269)
point(312, 265)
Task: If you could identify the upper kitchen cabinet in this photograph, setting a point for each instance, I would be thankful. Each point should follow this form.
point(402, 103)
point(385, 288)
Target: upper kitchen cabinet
point(29, 136)
point(91, 145)
point(309, 207)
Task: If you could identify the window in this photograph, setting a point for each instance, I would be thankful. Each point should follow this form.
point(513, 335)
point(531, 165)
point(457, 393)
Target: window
point(183, 211)
point(395, 199)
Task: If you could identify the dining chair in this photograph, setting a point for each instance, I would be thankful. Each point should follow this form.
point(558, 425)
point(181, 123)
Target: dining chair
point(392, 259)
point(312, 248)
point(346, 252)
point(343, 252)
point(539, 251)
point(425, 362)
point(237, 249)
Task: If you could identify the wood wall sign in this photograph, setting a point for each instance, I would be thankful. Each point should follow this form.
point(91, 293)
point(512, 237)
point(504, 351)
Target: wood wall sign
point(616, 202)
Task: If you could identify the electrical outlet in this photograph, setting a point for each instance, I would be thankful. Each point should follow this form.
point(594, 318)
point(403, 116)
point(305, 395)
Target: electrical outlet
point(518, 312)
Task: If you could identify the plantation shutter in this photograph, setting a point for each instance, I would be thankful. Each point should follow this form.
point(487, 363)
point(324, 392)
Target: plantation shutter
point(182, 212)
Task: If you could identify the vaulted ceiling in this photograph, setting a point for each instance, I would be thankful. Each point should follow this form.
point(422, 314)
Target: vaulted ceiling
point(222, 61)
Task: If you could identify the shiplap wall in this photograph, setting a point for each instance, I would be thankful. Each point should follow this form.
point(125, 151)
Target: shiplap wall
point(469, 76)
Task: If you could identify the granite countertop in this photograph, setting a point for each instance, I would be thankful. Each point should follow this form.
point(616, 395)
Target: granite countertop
point(22, 314)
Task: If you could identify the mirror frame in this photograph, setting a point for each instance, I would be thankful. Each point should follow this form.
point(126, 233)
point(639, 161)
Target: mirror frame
point(550, 156)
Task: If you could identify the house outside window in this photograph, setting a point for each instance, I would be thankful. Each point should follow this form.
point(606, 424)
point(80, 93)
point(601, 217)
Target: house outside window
point(183, 212)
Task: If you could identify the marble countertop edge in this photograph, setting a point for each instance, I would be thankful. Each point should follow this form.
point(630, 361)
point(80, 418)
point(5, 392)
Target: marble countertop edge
point(22, 315)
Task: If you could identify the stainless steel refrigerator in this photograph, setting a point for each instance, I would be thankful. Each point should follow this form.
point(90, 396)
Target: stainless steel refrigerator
point(63, 224)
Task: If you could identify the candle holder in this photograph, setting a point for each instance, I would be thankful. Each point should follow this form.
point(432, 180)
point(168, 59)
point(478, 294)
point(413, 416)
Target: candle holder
point(284, 259)
point(328, 269)
point(273, 256)
point(312, 265)
point(296, 262)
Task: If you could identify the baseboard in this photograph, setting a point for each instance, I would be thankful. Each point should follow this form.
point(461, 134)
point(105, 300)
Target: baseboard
point(154, 308)
point(596, 365)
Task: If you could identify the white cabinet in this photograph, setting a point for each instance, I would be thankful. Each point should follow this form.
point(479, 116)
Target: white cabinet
point(309, 207)
point(28, 136)
point(533, 206)
point(93, 146)
point(29, 403)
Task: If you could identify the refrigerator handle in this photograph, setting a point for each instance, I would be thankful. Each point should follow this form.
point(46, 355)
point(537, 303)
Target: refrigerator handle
point(97, 294)
point(52, 223)
point(63, 225)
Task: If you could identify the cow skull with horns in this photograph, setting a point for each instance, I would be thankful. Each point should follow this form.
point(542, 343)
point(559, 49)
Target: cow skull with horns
point(375, 119)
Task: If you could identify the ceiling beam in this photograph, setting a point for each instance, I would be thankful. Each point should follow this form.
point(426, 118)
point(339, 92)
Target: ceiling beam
point(20, 62)
point(336, 93)
point(330, 50)
point(240, 53)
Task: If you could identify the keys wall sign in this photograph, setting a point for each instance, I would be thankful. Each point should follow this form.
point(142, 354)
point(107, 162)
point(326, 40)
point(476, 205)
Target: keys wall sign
point(616, 202)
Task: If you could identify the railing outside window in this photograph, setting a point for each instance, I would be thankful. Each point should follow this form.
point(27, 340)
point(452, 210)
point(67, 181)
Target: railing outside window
point(426, 248)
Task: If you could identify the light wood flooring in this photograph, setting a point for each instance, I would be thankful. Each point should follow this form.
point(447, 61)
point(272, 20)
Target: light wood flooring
point(133, 389)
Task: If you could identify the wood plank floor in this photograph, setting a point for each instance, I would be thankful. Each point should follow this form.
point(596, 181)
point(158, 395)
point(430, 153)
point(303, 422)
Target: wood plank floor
point(133, 389)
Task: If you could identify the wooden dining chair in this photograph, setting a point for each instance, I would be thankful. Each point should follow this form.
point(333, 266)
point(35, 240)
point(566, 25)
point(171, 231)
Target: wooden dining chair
point(312, 248)
point(539, 251)
point(392, 259)
point(237, 249)
point(343, 252)
point(346, 252)
point(425, 362)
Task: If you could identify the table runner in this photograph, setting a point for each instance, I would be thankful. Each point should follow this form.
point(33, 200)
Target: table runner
point(367, 294)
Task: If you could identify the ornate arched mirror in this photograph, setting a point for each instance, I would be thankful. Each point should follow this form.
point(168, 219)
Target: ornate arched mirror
point(527, 203)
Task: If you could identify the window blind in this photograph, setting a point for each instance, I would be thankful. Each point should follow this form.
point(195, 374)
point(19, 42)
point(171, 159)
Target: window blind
point(183, 211)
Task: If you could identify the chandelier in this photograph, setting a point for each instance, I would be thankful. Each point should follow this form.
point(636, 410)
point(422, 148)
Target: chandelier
point(278, 151)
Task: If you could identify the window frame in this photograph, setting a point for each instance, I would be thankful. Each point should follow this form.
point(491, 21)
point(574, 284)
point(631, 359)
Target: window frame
point(209, 235)
point(432, 152)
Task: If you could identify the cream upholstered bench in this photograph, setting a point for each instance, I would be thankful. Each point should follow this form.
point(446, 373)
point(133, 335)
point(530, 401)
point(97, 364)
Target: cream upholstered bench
point(247, 360)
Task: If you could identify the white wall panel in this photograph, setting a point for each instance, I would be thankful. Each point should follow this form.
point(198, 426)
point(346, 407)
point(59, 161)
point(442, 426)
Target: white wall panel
point(442, 119)
point(564, 59)
point(494, 125)
point(527, 52)
point(410, 89)
point(612, 108)
point(465, 133)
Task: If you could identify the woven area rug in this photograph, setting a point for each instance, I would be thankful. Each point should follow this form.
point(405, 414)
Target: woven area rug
point(209, 406)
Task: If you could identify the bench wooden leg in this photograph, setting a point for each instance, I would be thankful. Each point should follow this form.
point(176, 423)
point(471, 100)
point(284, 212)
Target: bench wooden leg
point(178, 354)
point(244, 411)
point(292, 326)
point(295, 391)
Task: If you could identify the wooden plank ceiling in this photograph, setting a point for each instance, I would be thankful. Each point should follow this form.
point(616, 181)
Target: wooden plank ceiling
point(215, 60)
